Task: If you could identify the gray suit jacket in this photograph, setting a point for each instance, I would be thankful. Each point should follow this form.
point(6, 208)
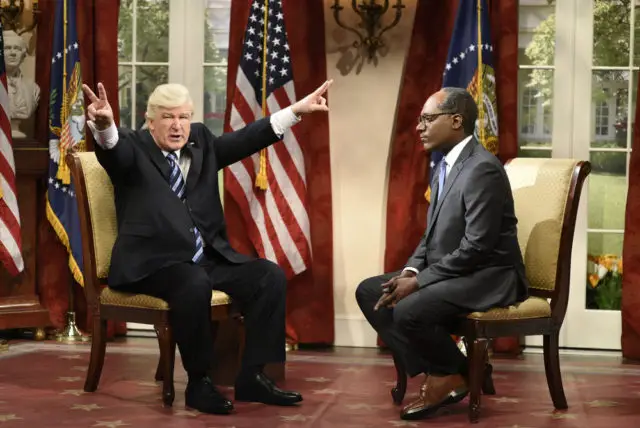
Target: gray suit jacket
point(469, 254)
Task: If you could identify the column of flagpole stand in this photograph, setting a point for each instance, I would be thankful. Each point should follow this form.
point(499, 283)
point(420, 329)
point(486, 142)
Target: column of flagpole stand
point(70, 333)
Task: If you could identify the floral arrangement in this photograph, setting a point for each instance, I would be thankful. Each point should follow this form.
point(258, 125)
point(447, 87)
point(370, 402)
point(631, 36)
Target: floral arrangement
point(604, 284)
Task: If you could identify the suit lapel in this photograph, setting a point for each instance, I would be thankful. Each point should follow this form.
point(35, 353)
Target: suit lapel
point(448, 183)
point(434, 196)
point(155, 154)
point(196, 165)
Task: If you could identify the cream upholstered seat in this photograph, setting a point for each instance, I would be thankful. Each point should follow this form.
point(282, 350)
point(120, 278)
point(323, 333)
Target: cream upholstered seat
point(533, 307)
point(546, 194)
point(96, 208)
point(142, 301)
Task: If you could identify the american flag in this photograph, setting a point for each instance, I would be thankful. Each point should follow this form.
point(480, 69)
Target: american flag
point(10, 239)
point(276, 218)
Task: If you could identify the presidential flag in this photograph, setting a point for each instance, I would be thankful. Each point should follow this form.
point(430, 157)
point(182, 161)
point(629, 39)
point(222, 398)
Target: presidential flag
point(470, 65)
point(66, 132)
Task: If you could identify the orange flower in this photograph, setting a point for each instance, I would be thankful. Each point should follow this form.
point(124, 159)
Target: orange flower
point(594, 279)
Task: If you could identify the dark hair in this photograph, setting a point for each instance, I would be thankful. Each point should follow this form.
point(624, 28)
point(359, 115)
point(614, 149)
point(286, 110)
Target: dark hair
point(458, 100)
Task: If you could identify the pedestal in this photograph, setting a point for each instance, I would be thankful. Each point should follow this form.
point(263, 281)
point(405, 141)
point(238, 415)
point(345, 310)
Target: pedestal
point(19, 302)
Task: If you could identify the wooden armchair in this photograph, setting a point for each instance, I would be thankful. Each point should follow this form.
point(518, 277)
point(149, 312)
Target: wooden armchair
point(546, 194)
point(96, 208)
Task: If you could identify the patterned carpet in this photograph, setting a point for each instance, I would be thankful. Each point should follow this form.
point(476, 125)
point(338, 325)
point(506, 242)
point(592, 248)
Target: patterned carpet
point(41, 386)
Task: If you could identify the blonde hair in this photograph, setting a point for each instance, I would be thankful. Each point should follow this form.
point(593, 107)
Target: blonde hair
point(168, 95)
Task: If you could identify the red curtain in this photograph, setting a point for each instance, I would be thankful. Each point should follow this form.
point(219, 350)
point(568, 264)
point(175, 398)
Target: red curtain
point(409, 168)
point(310, 313)
point(97, 22)
point(631, 253)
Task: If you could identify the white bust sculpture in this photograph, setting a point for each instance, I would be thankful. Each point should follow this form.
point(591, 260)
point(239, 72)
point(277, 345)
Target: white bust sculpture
point(24, 93)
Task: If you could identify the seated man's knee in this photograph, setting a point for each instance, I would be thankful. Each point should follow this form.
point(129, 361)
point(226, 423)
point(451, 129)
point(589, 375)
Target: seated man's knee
point(197, 289)
point(368, 290)
point(276, 279)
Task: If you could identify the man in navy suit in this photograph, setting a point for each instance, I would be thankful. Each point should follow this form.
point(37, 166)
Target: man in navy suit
point(172, 241)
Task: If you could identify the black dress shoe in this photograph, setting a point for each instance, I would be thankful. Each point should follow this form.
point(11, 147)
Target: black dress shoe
point(259, 388)
point(203, 396)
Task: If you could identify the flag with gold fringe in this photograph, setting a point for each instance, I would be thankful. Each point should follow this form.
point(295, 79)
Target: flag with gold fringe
point(66, 132)
point(470, 65)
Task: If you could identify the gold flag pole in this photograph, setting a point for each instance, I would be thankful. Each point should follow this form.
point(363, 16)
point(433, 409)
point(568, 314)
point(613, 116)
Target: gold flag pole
point(480, 101)
point(261, 177)
point(70, 333)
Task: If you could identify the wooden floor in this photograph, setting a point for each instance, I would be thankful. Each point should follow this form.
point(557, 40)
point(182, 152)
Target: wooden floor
point(41, 386)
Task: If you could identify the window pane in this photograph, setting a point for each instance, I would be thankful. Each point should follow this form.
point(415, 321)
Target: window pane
point(636, 36)
point(125, 30)
point(604, 271)
point(610, 108)
point(124, 95)
point(535, 115)
point(607, 190)
point(147, 78)
point(526, 152)
point(152, 32)
point(611, 33)
point(215, 98)
point(537, 33)
point(216, 31)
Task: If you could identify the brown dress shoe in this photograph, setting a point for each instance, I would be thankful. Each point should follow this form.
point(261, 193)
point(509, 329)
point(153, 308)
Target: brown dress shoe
point(435, 392)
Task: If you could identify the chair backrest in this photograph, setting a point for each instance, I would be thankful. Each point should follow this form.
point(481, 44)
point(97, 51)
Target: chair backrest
point(546, 194)
point(97, 212)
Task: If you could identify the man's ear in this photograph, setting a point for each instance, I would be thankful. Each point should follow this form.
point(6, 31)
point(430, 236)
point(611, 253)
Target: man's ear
point(457, 121)
point(147, 122)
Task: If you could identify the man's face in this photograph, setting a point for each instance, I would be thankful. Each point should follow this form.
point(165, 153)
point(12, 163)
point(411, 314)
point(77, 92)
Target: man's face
point(437, 128)
point(13, 53)
point(171, 126)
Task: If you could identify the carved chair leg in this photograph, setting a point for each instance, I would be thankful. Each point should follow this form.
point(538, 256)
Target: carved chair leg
point(167, 357)
point(398, 392)
point(159, 369)
point(488, 387)
point(552, 369)
point(98, 348)
point(476, 375)
point(487, 382)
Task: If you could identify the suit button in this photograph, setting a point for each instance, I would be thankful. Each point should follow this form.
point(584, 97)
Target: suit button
point(191, 229)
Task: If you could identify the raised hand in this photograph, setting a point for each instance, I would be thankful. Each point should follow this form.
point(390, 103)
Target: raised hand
point(99, 111)
point(314, 101)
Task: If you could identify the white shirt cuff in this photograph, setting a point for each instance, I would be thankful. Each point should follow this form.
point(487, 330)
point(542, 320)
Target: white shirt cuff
point(282, 120)
point(411, 269)
point(106, 138)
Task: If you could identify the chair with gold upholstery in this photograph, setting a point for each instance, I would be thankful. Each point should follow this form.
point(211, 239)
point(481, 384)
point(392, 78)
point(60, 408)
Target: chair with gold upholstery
point(546, 194)
point(96, 208)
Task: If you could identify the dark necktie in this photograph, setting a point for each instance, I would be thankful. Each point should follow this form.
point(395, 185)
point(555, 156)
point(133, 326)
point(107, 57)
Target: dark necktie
point(178, 185)
point(441, 177)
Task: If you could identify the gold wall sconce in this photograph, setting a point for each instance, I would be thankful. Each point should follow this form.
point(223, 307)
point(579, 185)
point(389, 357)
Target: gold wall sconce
point(369, 30)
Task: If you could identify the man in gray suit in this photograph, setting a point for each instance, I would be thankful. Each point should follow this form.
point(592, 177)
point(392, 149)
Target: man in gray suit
point(467, 260)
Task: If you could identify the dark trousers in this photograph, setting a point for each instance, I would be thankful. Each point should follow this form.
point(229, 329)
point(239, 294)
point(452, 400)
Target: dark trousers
point(417, 329)
point(258, 287)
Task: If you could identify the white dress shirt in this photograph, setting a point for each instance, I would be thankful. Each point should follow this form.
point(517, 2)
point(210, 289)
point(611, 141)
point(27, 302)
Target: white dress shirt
point(450, 159)
point(281, 121)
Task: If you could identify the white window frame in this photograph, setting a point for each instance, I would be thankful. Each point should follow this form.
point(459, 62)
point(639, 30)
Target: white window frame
point(573, 133)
